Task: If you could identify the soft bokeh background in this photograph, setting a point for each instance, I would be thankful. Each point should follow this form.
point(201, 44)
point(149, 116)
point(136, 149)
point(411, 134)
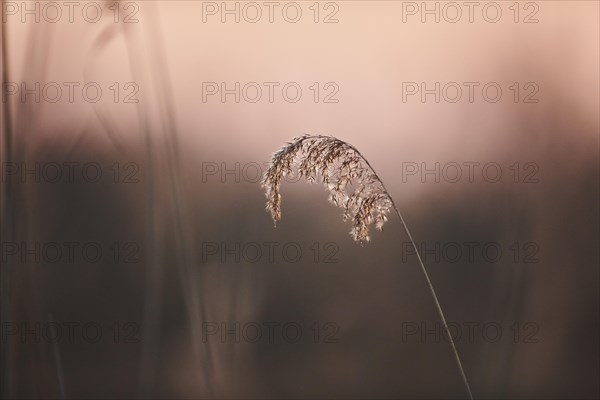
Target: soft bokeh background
point(369, 293)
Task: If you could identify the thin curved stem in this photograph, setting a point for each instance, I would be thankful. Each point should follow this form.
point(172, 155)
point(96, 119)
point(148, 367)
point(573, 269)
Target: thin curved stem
point(431, 289)
point(437, 303)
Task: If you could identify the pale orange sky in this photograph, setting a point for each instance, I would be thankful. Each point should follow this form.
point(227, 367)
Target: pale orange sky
point(368, 55)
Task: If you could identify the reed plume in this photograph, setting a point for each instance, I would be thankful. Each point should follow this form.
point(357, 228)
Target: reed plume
point(353, 185)
point(341, 168)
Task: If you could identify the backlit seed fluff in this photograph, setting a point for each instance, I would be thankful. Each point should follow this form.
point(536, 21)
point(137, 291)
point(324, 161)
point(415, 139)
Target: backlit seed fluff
point(351, 182)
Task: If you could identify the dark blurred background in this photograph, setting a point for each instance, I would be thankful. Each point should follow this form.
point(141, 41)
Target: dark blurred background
point(164, 277)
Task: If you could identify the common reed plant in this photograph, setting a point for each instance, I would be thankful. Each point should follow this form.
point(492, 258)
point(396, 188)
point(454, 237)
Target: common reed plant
point(353, 185)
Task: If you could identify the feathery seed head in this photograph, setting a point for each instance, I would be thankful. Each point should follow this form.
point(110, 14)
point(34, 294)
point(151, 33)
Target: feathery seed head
point(351, 182)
